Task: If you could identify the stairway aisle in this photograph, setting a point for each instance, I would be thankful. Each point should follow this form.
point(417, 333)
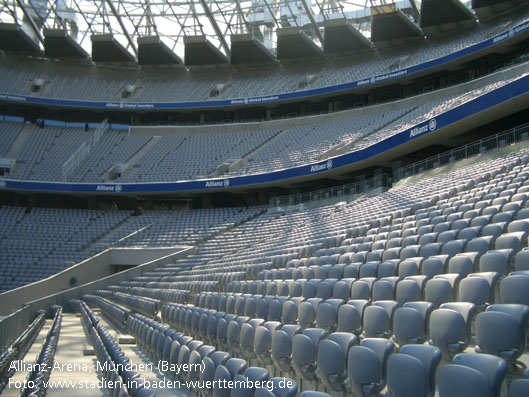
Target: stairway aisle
point(28, 360)
point(71, 365)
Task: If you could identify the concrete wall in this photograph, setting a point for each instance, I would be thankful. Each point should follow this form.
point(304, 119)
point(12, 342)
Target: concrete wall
point(17, 321)
point(138, 256)
point(95, 268)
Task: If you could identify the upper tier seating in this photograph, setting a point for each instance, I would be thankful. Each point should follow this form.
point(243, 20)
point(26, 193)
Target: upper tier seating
point(87, 83)
point(197, 153)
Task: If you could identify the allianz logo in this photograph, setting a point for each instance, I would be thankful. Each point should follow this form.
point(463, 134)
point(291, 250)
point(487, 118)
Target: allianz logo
point(431, 126)
point(224, 183)
point(321, 167)
point(109, 188)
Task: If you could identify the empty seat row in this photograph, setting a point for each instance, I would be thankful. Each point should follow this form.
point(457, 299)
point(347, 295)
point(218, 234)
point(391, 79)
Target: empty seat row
point(118, 313)
point(148, 306)
point(113, 362)
point(18, 347)
point(37, 378)
point(191, 360)
point(477, 288)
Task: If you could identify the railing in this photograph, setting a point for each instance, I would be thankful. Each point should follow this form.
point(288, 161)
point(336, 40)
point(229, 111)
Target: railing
point(121, 241)
point(13, 325)
point(378, 181)
point(80, 154)
point(501, 139)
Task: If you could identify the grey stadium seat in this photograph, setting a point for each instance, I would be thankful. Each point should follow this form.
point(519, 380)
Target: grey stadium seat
point(408, 326)
point(493, 367)
point(448, 331)
point(515, 289)
point(406, 376)
point(430, 356)
point(499, 334)
point(305, 351)
point(462, 381)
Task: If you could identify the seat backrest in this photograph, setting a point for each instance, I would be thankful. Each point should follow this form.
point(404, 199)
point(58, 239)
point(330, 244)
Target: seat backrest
point(175, 351)
point(448, 331)
point(453, 247)
point(382, 290)
point(514, 289)
point(304, 354)
point(432, 266)
point(511, 240)
point(479, 245)
point(519, 312)
point(468, 233)
point(430, 356)
point(406, 376)
point(494, 368)
point(476, 290)
point(407, 291)
point(430, 249)
point(360, 290)
point(408, 326)
point(494, 261)
point(246, 339)
point(408, 268)
point(262, 343)
point(519, 388)
point(306, 314)
point(221, 375)
point(364, 370)
point(289, 313)
point(331, 362)
point(349, 319)
point(195, 366)
point(499, 334)
point(461, 381)
point(438, 291)
point(387, 269)
point(284, 387)
point(382, 347)
point(521, 260)
point(461, 264)
point(236, 366)
point(376, 322)
point(342, 290)
point(327, 315)
point(208, 370)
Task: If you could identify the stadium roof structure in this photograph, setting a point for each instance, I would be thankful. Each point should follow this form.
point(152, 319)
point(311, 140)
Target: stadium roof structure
point(209, 32)
point(438, 16)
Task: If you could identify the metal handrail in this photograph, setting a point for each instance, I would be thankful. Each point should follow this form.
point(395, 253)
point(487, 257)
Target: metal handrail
point(382, 180)
point(80, 154)
point(484, 145)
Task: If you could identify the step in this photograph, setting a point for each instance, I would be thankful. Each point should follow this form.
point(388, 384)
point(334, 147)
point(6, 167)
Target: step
point(72, 364)
point(137, 157)
point(23, 135)
point(28, 360)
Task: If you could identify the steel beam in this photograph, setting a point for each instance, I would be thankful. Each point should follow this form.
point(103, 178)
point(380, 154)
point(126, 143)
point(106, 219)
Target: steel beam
point(125, 31)
point(31, 21)
point(216, 28)
point(312, 20)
